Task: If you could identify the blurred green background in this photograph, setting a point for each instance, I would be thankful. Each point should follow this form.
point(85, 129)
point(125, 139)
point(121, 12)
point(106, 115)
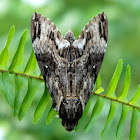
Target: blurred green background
point(123, 43)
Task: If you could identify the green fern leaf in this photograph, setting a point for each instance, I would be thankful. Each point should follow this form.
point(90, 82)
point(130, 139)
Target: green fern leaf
point(51, 116)
point(4, 54)
point(98, 89)
point(17, 62)
point(113, 83)
point(126, 85)
point(41, 105)
point(125, 110)
point(95, 113)
point(134, 120)
point(19, 83)
point(113, 107)
point(134, 101)
point(31, 67)
point(7, 87)
point(33, 85)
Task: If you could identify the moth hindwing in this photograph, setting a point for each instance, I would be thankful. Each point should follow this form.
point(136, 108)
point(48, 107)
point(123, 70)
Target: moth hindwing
point(69, 67)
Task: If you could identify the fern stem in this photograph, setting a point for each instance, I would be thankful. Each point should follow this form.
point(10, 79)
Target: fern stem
point(116, 100)
point(41, 79)
point(24, 75)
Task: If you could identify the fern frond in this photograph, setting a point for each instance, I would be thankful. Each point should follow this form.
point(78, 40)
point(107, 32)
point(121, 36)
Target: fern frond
point(15, 76)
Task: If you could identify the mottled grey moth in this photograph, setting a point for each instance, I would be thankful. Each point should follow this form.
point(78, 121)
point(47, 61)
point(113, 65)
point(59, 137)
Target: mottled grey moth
point(69, 67)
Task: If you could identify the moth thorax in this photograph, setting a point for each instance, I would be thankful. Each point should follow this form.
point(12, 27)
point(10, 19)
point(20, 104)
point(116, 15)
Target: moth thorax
point(70, 36)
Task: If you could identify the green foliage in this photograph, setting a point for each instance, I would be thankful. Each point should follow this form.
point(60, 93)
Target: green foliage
point(17, 62)
point(113, 83)
point(13, 77)
point(41, 105)
point(4, 54)
point(51, 116)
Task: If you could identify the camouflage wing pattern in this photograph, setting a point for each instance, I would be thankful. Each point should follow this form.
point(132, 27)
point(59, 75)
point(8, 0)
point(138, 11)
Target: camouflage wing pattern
point(69, 67)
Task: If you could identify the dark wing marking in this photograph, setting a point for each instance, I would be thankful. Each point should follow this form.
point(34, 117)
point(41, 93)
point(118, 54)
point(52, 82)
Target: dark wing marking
point(48, 45)
point(90, 48)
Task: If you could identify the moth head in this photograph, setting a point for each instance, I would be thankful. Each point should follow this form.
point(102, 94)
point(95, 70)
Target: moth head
point(70, 112)
point(70, 36)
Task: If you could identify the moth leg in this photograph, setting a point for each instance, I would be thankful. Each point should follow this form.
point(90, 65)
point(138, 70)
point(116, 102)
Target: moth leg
point(82, 101)
point(59, 103)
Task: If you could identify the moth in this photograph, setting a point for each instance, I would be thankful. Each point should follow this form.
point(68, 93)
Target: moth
point(69, 67)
